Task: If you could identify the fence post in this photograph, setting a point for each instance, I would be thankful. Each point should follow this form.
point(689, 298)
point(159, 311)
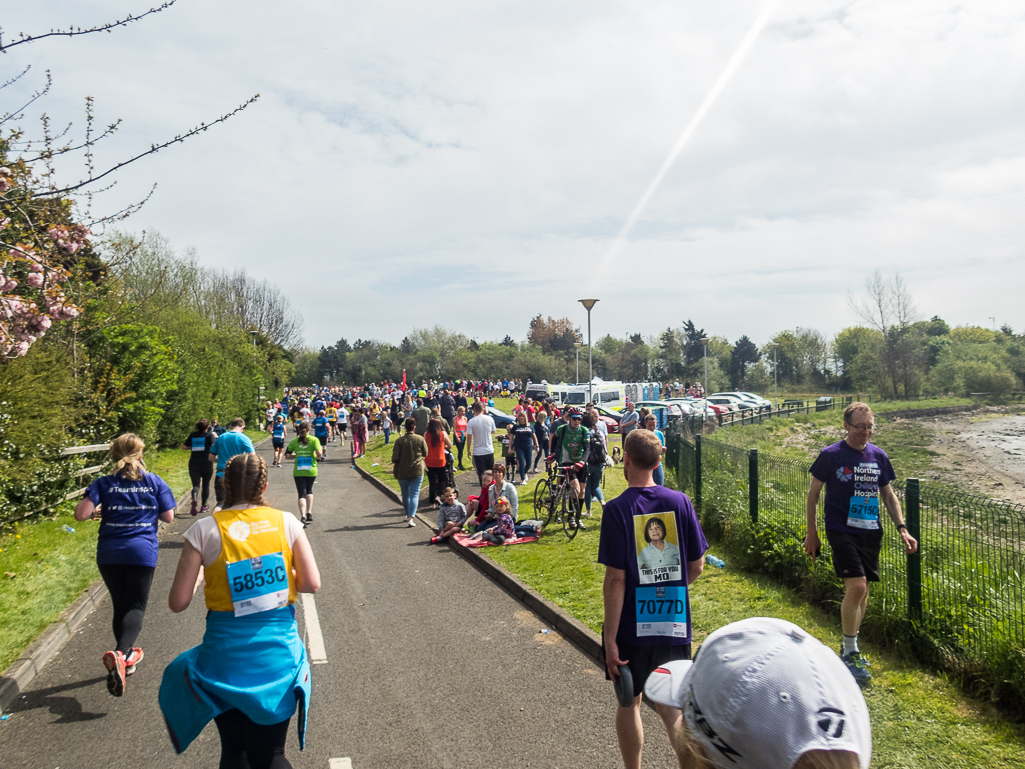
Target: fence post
point(914, 522)
point(697, 473)
point(752, 484)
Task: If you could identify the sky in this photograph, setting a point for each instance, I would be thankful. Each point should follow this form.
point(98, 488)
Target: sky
point(471, 165)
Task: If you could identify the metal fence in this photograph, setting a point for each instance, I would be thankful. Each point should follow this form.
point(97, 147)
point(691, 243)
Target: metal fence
point(962, 593)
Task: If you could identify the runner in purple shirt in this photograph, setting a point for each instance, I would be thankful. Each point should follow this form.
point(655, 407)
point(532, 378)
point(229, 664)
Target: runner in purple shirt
point(856, 475)
point(131, 501)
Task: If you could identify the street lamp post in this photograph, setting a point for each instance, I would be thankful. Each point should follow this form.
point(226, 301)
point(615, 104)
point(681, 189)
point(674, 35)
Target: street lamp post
point(588, 304)
point(704, 345)
point(577, 346)
point(775, 375)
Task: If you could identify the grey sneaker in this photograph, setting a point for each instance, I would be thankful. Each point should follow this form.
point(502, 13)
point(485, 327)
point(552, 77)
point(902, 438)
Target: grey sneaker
point(857, 665)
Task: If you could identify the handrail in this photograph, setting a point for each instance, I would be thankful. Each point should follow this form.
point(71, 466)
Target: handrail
point(85, 449)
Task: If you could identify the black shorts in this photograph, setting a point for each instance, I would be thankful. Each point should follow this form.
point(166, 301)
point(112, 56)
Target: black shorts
point(642, 660)
point(581, 476)
point(278, 444)
point(342, 426)
point(856, 554)
point(304, 484)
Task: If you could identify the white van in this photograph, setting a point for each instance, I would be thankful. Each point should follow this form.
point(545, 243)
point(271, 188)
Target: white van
point(542, 391)
point(611, 395)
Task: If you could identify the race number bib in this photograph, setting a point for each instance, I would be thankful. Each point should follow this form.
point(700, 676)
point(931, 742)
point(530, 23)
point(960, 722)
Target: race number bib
point(199, 444)
point(258, 584)
point(304, 463)
point(863, 513)
point(661, 611)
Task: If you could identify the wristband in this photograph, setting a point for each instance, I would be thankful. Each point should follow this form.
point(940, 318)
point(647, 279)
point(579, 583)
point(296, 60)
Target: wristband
point(901, 526)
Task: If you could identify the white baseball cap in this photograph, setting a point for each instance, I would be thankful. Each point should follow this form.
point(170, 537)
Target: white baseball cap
point(762, 692)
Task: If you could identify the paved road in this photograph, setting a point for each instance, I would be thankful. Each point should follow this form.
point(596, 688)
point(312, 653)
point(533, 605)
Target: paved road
point(429, 664)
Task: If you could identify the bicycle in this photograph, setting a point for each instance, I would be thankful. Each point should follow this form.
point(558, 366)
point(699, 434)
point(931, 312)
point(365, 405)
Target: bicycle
point(554, 498)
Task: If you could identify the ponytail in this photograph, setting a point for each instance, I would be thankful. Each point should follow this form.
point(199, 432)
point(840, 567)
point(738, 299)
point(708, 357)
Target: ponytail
point(303, 430)
point(126, 451)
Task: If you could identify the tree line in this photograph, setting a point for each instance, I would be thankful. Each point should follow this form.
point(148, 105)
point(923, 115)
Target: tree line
point(892, 353)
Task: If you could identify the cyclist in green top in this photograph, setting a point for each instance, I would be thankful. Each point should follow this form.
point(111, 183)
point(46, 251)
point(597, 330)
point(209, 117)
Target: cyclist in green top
point(306, 451)
point(571, 446)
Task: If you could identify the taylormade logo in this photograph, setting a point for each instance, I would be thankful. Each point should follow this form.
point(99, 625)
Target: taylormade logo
point(706, 728)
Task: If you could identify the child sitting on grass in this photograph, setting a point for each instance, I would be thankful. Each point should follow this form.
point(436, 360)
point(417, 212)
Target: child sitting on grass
point(503, 528)
point(451, 516)
point(478, 505)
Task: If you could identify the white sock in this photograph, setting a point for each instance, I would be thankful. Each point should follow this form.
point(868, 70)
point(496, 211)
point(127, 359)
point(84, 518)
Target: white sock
point(850, 645)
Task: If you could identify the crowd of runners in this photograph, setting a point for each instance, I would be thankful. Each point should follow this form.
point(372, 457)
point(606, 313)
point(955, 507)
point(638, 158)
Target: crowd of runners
point(250, 674)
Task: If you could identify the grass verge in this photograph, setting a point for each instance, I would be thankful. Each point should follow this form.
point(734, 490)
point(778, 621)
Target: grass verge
point(920, 719)
point(51, 567)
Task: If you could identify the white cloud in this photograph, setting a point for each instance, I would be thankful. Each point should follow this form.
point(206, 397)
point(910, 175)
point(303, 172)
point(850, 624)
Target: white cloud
point(469, 164)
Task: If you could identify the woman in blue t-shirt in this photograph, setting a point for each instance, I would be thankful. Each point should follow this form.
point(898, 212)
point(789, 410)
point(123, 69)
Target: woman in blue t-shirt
point(132, 502)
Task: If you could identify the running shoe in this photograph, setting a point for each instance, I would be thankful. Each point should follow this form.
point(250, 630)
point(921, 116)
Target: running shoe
point(194, 510)
point(114, 662)
point(412, 522)
point(309, 516)
point(856, 664)
point(205, 508)
point(133, 659)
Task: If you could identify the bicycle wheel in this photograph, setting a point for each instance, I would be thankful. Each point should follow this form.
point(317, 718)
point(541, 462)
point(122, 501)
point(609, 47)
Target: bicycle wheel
point(569, 510)
point(542, 508)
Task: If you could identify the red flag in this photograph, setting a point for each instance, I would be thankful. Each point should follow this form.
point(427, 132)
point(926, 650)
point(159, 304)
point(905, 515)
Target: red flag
point(403, 380)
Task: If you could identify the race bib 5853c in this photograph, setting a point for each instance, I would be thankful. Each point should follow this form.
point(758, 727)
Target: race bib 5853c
point(258, 584)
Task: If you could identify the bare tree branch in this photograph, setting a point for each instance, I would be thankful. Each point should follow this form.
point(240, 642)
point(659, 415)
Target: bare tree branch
point(75, 31)
point(152, 150)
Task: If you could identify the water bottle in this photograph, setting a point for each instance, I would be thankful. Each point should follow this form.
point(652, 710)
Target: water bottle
point(68, 529)
point(718, 563)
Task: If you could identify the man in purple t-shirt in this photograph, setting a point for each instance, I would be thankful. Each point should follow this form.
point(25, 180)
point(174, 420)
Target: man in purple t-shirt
point(856, 475)
point(652, 547)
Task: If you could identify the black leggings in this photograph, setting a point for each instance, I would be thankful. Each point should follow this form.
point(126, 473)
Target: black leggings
point(128, 586)
point(248, 745)
point(201, 475)
point(460, 445)
point(436, 481)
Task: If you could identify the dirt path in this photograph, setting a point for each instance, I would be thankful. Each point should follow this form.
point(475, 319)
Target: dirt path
point(982, 452)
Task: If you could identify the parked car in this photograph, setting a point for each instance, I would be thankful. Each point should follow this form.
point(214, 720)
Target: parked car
point(610, 418)
point(762, 403)
point(743, 403)
point(663, 411)
point(733, 404)
point(502, 420)
point(701, 404)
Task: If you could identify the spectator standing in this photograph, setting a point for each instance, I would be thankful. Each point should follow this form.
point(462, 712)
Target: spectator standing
point(856, 475)
point(447, 404)
point(480, 431)
point(647, 610)
point(659, 474)
point(525, 444)
point(438, 443)
point(407, 456)
point(459, 432)
point(541, 433)
point(422, 415)
point(629, 420)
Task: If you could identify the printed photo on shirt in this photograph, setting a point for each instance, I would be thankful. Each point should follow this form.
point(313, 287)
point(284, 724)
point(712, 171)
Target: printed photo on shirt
point(658, 548)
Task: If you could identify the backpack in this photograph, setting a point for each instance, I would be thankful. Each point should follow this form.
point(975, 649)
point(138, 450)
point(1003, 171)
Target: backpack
point(597, 454)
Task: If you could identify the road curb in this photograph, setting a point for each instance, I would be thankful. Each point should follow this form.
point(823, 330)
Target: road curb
point(20, 673)
point(572, 629)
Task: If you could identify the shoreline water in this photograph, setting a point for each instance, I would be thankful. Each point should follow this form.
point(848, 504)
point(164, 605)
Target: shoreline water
point(982, 453)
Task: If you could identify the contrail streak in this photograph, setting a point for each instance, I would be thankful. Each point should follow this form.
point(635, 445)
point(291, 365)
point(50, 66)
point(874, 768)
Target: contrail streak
point(692, 126)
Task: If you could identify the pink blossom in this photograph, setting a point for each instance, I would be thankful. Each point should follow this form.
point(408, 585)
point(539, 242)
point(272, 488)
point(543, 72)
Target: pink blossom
point(35, 280)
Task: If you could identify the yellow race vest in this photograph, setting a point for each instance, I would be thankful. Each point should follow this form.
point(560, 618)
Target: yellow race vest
point(248, 538)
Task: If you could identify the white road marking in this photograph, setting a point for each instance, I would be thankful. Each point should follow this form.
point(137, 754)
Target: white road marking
point(340, 763)
point(318, 654)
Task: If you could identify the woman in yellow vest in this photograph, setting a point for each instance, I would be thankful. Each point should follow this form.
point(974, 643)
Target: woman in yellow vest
point(251, 671)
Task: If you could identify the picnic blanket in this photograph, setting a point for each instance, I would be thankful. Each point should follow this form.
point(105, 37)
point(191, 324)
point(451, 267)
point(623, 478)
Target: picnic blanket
point(465, 541)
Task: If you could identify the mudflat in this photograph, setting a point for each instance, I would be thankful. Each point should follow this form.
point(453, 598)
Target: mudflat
point(982, 452)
